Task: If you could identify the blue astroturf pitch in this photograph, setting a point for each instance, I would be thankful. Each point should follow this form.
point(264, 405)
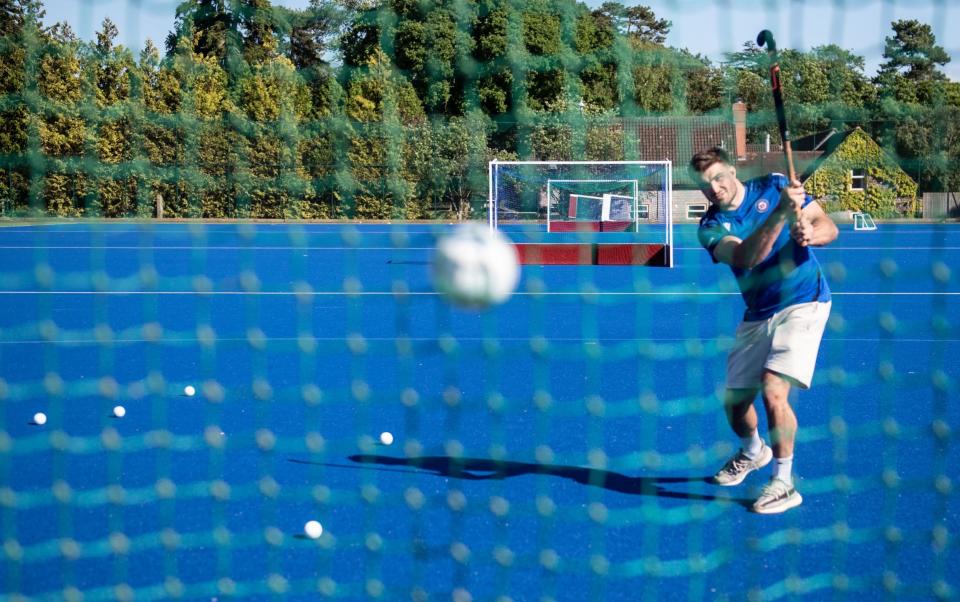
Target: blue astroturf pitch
point(555, 447)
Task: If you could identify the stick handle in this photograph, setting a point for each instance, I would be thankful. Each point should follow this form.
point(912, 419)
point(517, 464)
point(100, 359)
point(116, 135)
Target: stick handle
point(765, 38)
point(791, 173)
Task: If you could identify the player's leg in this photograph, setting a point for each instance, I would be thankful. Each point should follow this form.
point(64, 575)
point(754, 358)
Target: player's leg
point(753, 453)
point(779, 494)
point(741, 414)
point(797, 332)
point(793, 355)
point(744, 381)
point(781, 419)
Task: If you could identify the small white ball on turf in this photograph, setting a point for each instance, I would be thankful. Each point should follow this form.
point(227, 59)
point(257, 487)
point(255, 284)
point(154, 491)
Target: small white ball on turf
point(119, 411)
point(40, 418)
point(475, 267)
point(189, 391)
point(313, 529)
point(386, 438)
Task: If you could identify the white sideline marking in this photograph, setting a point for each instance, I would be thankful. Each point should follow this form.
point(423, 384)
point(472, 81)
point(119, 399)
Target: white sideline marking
point(432, 293)
point(832, 248)
point(389, 248)
point(434, 339)
point(209, 248)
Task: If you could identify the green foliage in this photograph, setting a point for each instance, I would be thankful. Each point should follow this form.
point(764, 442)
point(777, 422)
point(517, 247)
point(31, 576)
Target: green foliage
point(448, 163)
point(312, 32)
point(910, 73)
point(604, 139)
point(639, 24)
point(490, 31)
point(889, 192)
point(207, 26)
point(541, 33)
point(14, 116)
point(426, 50)
point(594, 32)
point(257, 26)
point(372, 93)
point(250, 114)
point(273, 89)
point(652, 86)
point(17, 14)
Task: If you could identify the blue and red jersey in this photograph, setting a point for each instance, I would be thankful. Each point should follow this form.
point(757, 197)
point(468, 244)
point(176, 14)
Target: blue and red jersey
point(789, 275)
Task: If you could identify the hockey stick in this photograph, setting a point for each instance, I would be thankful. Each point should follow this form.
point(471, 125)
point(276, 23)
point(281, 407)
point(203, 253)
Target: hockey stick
point(765, 38)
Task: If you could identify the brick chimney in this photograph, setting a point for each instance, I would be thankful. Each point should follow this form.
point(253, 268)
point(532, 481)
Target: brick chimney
point(740, 129)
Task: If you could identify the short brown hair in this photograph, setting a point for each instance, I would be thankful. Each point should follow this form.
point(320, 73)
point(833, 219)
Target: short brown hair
point(702, 161)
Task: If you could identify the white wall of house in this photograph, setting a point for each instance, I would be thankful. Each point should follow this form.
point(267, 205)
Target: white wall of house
point(688, 206)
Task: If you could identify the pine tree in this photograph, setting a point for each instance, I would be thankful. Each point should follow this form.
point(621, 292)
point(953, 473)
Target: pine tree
point(207, 26)
point(911, 70)
point(111, 69)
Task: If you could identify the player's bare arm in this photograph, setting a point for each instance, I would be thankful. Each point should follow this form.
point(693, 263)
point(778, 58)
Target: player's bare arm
point(814, 228)
point(751, 251)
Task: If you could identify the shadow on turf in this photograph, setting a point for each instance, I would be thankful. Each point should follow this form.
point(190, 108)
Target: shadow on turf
point(478, 469)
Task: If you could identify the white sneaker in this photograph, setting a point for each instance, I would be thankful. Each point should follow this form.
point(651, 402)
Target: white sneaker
point(738, 467)
point(777, 496)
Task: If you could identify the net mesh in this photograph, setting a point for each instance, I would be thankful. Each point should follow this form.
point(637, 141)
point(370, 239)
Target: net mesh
point(544, 449)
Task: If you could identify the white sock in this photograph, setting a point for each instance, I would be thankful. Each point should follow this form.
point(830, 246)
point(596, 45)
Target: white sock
point(752, 445)
point(783, 469)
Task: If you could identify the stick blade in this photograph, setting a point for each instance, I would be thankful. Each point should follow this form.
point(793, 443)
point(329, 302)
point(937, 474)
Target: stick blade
point(765, 38)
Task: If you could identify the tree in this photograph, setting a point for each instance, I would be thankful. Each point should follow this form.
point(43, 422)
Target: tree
point(822, 88)
point(211, 147)
point(643, 26)
point(360, 42)
point(110, 69)
point(15, 14)
point(426, 48)
point(846, 80)
point(258, 30)
point(489, 32)
point(207, 25)
point(911, 70)
point(61, 130)
point(161, 137)
point(448, 162)
point(704, 85)
point(639, 24)
point(380, 101)
point(312, 32)
point(914, 118)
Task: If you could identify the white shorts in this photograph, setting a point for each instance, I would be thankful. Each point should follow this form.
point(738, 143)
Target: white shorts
point(786, 343)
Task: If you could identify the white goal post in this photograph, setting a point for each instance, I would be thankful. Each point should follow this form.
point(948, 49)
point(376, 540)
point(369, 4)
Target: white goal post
point(598, 196)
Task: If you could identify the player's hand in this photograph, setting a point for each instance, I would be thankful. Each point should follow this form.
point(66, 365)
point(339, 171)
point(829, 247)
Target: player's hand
point(802, 231)
point(791, 199)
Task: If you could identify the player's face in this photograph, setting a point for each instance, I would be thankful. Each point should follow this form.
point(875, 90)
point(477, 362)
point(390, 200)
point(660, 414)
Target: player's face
point(719, 183)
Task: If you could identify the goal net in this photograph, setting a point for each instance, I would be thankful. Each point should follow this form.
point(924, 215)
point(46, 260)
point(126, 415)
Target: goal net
point(584, 196)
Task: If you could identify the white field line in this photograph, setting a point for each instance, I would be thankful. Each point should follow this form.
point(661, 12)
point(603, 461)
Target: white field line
point(598, 341)
point(434, 293)
point(386, 248)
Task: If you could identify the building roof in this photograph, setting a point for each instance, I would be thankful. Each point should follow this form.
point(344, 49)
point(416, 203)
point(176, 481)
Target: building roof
point(676, 139)
point(819, 141)
point(759, 164)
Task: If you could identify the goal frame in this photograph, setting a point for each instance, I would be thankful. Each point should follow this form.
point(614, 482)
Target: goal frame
point(667, 166)
point(632, 183)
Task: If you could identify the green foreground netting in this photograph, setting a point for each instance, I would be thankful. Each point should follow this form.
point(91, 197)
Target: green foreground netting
point(256, 112)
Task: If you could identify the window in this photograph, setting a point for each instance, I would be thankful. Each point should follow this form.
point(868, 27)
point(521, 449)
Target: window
point(643, 211)
point(858, 179)
point(696, 210)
